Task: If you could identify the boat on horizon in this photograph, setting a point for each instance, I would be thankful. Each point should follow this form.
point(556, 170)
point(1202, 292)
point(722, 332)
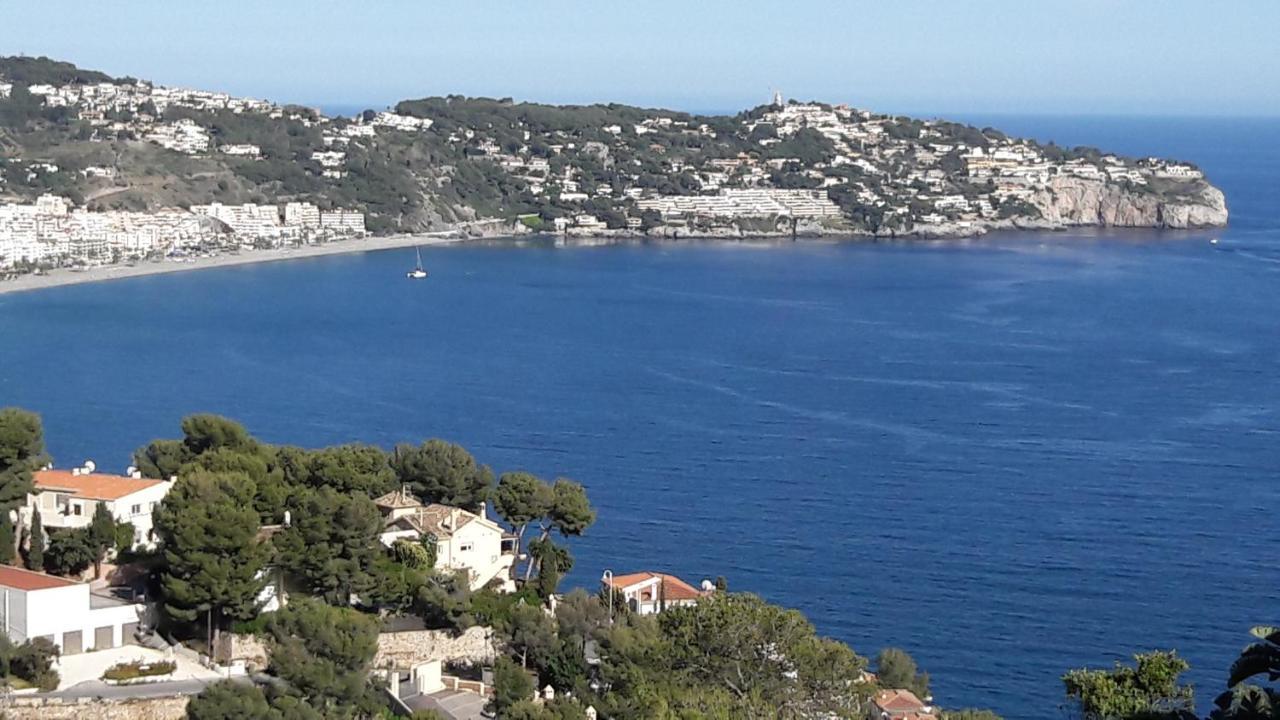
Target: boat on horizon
point(417, 273)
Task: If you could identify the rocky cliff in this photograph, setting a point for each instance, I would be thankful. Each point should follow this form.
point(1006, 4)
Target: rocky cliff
point(1079, 201)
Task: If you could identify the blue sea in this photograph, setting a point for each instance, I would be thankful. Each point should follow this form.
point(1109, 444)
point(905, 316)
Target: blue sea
point(1011, 456)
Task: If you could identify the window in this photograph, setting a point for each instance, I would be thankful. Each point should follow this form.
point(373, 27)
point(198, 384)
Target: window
point(135, 510)
point(77, 509)
point(466, 547)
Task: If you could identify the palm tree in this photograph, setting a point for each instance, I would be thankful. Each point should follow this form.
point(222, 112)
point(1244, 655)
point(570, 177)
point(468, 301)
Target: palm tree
point(1250, 702)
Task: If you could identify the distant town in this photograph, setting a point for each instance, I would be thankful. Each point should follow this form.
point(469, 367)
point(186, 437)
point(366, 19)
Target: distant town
point(99, 170)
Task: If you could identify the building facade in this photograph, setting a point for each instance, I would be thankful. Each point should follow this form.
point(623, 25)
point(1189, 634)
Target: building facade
point(68, 499)
point(465, 540)
point(646, 593)
point(65, 612)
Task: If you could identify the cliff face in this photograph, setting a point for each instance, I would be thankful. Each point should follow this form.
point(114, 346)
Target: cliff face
point(1078, 201)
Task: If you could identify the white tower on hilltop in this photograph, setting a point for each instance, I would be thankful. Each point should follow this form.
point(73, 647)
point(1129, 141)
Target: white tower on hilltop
point(777, 99)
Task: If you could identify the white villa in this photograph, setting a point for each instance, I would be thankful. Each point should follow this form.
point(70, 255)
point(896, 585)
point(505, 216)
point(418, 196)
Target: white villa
point(647, 593)
point(465, 540)
point(68, 499)
point(34, 604)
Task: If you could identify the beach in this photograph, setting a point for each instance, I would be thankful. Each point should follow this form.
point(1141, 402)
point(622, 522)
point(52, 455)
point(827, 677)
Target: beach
point(103, 273)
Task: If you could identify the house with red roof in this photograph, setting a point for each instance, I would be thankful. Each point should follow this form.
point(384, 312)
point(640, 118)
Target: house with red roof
point(647, 593)
point(65, 612)
point(68, 499)
point(899, 705)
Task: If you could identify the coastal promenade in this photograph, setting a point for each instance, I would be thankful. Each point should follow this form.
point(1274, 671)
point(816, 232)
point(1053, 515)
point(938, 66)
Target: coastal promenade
point(101, 273)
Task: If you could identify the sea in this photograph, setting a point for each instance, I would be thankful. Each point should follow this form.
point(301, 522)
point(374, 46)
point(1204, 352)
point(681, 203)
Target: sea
point(1010, 456)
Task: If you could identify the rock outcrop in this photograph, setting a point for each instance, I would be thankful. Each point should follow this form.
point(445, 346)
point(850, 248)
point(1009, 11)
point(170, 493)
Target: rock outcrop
point(1079, 201)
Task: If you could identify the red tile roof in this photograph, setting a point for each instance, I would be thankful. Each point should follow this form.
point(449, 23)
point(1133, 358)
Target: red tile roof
point(20, 579)
point(672, 587)
point(91, 486)
point(398, 499)
point(898, 702)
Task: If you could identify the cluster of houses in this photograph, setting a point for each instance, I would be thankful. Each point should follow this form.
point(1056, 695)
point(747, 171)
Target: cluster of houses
point(745, 202)
point(924, 177)
point(52, 232)
point(79, 616)
point(83, 617)
point(911, 174)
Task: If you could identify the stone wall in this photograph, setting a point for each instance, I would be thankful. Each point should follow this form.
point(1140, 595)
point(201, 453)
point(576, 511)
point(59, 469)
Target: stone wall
point(165, 708)
point(403, 649)
point(413, 647)
point(234, 648)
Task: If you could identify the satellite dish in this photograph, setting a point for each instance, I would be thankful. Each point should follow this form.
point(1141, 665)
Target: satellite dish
point(130, 471)
point(708, 586)
point(89, 466)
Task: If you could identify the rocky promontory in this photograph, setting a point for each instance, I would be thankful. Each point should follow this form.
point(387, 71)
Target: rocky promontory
point(1072, 201)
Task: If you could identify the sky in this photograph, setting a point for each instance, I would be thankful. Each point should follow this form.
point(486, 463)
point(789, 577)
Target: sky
point(1125, 57)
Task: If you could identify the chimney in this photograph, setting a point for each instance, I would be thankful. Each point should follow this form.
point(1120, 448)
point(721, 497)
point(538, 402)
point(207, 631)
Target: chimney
point(136, 474)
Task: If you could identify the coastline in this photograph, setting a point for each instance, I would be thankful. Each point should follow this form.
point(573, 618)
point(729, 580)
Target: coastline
point(104, 273)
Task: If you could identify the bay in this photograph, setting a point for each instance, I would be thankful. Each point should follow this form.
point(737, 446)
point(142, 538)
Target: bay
point(1010, 456)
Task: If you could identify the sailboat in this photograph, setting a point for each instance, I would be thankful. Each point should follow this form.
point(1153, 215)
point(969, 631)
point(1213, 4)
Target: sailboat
point(417, 273)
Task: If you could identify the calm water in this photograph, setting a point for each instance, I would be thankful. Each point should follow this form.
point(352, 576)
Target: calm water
point(1010, 456)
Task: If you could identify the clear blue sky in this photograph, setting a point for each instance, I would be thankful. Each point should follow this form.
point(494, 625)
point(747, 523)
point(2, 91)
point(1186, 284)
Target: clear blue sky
point(976, 56)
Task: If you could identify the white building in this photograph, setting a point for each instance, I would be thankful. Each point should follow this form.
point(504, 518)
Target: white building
point(647, 593)
point(65, 612)
point(301, 214)
point(249, 221)
point(242, 150)
point(183, 136)
point(68, 499)
point(401, 122)
point(329, 158)
point(588, 222)
point(346, 221)
point(464, 540)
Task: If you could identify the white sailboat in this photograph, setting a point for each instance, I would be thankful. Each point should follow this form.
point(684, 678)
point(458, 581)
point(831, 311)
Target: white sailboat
point(417, 273)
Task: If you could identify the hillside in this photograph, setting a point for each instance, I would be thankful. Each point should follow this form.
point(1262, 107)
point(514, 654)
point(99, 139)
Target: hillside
point(124, 144)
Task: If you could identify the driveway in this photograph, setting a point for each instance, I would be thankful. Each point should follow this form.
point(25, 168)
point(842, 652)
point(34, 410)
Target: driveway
point(99, 689)
point(87, 668)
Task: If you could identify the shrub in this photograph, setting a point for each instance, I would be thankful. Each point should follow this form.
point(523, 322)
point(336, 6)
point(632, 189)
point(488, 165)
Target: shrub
point(138, 669)
point(33, 661)
point(256, 626)
point(47, 681)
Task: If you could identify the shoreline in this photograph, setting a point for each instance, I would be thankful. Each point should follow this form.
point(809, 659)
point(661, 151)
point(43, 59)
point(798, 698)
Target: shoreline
point(104, 273)
point(62, 277)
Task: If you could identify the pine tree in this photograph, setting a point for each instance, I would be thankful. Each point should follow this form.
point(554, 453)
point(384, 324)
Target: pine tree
point(212, 556)
point(102, 536)
point(21, 453)
point(35, 547)
point(6, 539)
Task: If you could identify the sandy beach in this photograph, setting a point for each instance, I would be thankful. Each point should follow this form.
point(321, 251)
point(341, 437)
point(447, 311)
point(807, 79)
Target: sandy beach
point(103, 273)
